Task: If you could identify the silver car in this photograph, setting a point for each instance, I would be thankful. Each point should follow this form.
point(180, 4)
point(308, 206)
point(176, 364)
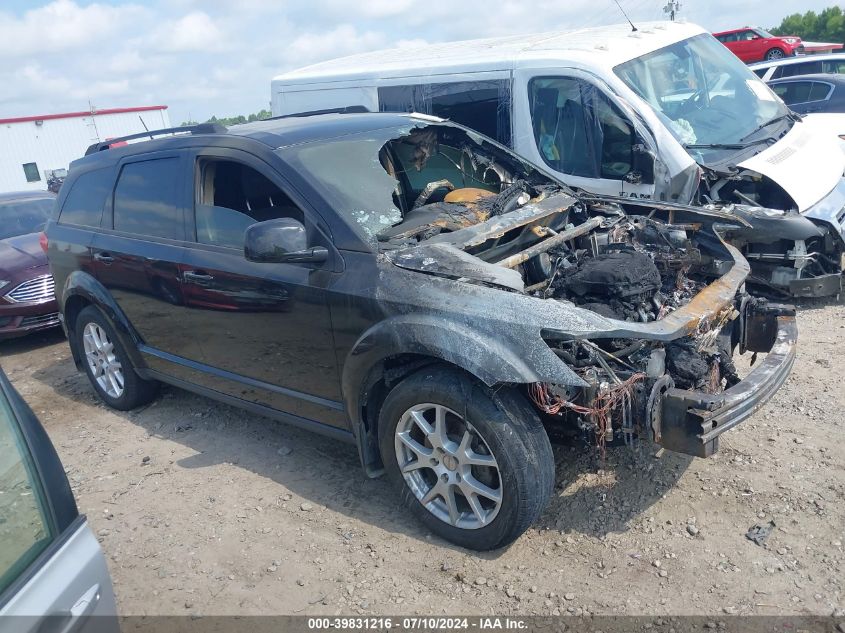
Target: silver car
point(53, 574)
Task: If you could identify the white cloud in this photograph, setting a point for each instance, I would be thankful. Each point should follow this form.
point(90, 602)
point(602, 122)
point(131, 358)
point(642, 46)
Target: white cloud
point(207, 57)
point(194, 32)
point(342, 40)
point(62, 25)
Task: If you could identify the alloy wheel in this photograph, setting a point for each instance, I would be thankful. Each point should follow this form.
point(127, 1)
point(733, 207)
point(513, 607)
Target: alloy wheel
point(104, 365)
point(448, 466)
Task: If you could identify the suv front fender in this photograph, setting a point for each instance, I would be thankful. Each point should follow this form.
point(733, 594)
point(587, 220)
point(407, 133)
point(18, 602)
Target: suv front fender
point(493, 360)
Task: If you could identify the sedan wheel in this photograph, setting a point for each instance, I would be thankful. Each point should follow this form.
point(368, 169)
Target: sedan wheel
point(104, 365)
point(448, 466)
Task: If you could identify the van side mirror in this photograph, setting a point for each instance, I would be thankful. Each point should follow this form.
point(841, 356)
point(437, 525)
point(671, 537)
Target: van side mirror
point(283, 240)
point(642, 166)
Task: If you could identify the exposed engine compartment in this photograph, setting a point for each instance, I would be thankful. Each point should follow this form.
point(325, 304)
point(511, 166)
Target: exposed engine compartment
point(636, 264)
point(803, 259)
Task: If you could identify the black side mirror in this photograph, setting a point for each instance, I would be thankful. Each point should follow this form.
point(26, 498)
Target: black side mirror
point(642, 168)
point(281, 241)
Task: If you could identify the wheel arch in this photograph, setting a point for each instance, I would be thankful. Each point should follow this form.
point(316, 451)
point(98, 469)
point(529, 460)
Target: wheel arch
point(396, 347)
point(82, 290)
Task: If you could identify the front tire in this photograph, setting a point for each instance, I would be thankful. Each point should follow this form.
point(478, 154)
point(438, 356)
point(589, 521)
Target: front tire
point(475, 467)
point(108, 365)
point(775, 54)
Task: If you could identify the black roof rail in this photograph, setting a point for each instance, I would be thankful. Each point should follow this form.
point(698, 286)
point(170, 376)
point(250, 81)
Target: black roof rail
point(356, 109)
point(200, 128)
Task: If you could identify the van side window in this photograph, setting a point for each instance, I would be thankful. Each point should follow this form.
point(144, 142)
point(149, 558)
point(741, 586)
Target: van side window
point(231, 197)
point(146, 199)
point(560, 125)
point(84, 204)
point(835, 66)
point(803, 68)
point(614, 139)
point(483, 106)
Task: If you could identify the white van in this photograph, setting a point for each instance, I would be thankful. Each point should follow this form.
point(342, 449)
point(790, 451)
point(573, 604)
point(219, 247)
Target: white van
point(663, 112)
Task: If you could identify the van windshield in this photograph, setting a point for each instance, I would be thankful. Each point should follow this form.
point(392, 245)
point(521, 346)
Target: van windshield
point(707, 98)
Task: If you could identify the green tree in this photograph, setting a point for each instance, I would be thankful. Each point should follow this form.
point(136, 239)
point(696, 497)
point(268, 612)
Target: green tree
point(827, 26)
point(234, 120)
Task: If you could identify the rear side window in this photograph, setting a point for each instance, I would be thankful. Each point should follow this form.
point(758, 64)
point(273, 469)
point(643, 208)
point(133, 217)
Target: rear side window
point(147, 199)
point(84, 204)
point(819, 91)
point(793, 92)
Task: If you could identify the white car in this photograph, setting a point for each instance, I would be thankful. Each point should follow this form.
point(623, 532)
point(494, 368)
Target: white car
point(53, 574)
point(832, 63)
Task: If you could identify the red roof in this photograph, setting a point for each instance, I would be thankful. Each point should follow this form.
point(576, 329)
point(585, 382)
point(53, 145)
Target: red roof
point(73, 115)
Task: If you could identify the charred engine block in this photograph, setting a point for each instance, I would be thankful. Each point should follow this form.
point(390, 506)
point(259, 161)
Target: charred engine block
point(640, 270)
point(619, 285)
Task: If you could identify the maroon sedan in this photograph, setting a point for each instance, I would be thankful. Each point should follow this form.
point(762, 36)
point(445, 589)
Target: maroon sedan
point(27, 298)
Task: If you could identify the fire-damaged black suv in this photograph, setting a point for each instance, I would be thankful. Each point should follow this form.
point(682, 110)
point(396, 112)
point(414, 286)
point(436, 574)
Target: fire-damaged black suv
point(407, 285)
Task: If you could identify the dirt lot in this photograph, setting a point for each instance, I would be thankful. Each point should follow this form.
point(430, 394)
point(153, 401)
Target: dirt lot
point(202, 508)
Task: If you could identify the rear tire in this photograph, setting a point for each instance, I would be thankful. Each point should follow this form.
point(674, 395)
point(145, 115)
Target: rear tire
point(475, 467)
point(775, 53)
point(108, 365)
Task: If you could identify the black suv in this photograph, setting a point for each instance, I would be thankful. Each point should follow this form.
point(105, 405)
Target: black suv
point(407, 285)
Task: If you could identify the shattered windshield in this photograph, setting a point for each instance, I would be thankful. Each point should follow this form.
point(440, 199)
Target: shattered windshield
point(411, 180)
point(706, 97)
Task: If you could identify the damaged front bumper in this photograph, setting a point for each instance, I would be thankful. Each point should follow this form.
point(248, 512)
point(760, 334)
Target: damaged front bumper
point(691, 422)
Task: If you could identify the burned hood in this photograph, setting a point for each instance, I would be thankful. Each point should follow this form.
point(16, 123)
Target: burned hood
point(445, 260)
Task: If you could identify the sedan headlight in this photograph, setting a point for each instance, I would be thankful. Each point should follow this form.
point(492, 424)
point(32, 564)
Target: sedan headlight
point(4, 283)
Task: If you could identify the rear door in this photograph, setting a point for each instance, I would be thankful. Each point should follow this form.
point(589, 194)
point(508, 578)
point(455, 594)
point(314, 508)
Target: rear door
point(137, 254)
point(264, 328)
point(53, 575)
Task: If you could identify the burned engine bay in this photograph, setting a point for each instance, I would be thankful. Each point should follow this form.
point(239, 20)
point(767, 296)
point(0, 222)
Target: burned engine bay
point(471, 215)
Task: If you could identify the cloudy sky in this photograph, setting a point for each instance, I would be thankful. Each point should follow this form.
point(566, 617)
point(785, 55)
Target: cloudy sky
point(204, 57)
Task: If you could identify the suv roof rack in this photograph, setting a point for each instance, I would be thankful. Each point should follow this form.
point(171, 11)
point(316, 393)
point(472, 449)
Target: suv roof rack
point(200, 128)
point(356, 109)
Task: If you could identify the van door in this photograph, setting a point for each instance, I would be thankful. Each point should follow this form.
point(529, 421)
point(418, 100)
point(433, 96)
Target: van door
point(564, 120)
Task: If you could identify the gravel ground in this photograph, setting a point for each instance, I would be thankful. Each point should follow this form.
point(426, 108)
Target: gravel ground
point(204, 509)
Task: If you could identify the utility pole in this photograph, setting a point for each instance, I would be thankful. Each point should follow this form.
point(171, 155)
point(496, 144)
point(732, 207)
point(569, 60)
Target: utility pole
point(672, 8)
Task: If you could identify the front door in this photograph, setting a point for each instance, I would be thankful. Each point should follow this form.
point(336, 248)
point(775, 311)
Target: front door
point(569, 124)
point(264, 328)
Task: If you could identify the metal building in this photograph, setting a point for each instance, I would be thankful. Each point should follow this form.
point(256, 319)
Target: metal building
point(32, 148)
